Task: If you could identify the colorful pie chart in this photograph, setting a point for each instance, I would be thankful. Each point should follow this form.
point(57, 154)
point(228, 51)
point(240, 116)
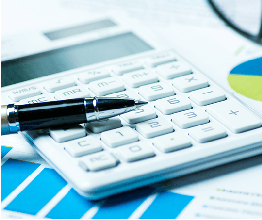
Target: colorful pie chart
point(246, 79)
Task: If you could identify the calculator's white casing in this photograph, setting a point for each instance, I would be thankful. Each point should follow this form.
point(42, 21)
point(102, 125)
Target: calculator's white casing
point(126, 176)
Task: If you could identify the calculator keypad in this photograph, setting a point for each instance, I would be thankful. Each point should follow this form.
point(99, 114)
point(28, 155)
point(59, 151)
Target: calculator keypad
point(83, 146)
point(134, 152)
point(190, 82)
point(92, 75)
point(207, 132)
point(72, 93)
point(190, 118)
point(140, 78)
point(156, 91)
point(67, 134)
point(172, 142)
point(144, 113)
point(233, 116)
point(127, 94)
point(58, 84)
point(154, 127)
point(173, 120)
point(104, 125)
point(106, 86)
point(207, 96)
point(98, 161)
point(119, 136)
point(128, 66)
point(23, 93)
point(173, 104)
point(174, 69)
point(161, 58)
point(37, 99)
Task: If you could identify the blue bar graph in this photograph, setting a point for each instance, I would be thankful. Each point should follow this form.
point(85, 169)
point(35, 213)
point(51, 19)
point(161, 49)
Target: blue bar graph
point(167, 205)
point(72, 206)
point(121, 206)
point(13, 173)
point(38, 193)
point(4, 150)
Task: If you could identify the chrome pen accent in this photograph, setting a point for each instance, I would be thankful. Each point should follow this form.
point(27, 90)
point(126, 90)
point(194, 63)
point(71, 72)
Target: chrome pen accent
point(12, 116)
point(9, 119)
point(62, 113)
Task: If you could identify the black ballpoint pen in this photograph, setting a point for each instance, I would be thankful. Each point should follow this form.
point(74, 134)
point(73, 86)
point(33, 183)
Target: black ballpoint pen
point(26, 117)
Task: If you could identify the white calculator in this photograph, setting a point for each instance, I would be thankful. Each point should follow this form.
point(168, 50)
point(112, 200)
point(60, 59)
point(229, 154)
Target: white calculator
point(189, 124)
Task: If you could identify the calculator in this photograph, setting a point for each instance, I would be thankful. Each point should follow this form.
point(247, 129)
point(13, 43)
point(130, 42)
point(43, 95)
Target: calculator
point(190, 123)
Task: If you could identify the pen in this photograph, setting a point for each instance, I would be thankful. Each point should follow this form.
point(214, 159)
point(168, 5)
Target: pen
point(26, 117)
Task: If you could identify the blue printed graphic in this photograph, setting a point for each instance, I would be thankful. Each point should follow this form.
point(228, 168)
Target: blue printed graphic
point(167, 205)
point(123, 205)
point(72, 206)
point(249, 68)
point(13, 173)
point(38, 193)
point(5, 150)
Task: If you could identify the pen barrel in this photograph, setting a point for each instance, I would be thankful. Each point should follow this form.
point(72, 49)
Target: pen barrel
point(51, 114)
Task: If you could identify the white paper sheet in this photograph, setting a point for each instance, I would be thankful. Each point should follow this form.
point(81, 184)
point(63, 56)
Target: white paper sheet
point(230, 191)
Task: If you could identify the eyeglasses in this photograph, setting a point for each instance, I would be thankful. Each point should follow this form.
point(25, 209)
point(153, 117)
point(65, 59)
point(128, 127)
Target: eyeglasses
point(244, 16)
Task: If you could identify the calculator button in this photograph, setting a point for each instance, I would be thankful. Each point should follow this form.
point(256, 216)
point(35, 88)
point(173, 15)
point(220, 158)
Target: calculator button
point(126, 67)
point(233, 116)
point(37, 99)
point(119, 136)
point(161, 58)
point(104, 125)
point(134, 152)
point(127, 94)
point(154, 127)
point(92, 75)
point(23, 93)
point(54, 85)
point(172, 142)
point(173, 104)
point(174, 69)
point(156, 91)
point(190, 118)
point(207, 132)
point(98, 161)
point(72, 93)
point(207, 96)
point(67, 134)
point(190, 82)
point(83, 146)
point(143, 113)
point(140, 78)
point(106, 86)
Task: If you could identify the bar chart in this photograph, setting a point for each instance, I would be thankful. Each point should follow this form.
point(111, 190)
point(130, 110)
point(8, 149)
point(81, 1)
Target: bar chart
point(46, 184)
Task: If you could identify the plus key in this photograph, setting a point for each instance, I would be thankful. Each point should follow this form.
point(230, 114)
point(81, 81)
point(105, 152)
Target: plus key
point(234, 116)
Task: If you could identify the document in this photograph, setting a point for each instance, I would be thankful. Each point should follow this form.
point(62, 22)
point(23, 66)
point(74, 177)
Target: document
point(30, 188)
point(234, 193)
point(196, 33)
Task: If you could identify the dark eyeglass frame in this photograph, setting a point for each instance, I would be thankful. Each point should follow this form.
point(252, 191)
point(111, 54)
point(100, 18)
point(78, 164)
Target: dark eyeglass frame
point(256, 38)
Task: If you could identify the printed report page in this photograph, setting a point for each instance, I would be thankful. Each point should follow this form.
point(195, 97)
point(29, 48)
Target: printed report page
point(230, 191)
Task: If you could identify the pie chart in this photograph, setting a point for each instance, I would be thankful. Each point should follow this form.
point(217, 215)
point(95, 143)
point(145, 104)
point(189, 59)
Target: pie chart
point(246, 79)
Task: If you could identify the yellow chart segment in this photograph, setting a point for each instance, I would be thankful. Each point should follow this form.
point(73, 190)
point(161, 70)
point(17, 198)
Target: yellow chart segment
point(247, 85)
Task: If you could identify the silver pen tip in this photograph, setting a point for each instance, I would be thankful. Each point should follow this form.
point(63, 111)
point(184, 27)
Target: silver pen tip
point(139, 103)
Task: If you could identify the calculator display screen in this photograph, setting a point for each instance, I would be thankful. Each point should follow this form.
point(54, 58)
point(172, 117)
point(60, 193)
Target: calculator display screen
point(71, 57)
